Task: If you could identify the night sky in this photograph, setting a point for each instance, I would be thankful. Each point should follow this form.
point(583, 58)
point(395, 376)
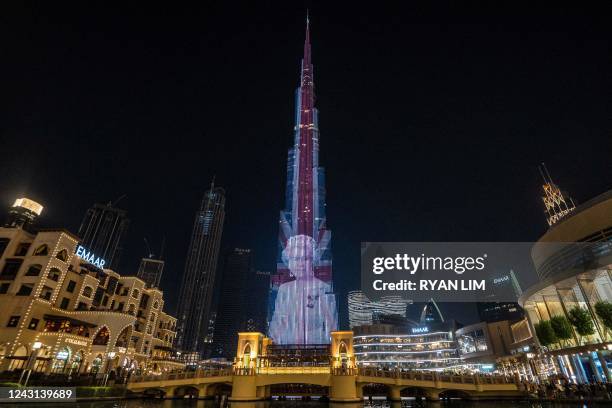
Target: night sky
point(433, 120)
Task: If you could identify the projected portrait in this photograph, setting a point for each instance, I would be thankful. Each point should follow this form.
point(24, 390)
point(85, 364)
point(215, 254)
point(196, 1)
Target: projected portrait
point(305, 308)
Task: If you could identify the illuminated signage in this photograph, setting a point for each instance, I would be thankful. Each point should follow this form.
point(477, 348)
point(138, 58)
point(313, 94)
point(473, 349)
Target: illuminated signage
point(62, 355)
point(89, 256)
point(503, 279)
point(423, 329)
point(77, 342)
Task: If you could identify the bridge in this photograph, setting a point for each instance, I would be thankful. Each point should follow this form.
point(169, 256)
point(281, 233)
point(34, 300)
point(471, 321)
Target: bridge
point(252, 378)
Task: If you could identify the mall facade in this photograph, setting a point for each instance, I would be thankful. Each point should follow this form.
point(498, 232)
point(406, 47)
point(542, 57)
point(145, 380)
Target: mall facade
point(64, 313)
point(428, 347)
point(573, 260)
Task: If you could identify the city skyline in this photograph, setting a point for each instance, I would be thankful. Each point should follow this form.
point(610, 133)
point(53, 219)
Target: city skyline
point(419, 197)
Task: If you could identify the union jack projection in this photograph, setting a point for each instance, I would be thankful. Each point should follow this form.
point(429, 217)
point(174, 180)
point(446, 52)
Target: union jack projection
point(302, 308)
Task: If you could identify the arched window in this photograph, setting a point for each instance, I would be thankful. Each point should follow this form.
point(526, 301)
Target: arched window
point(102, 337)
point(87, 291)
point(342, 348)
point(33, 270)
point(41, 250)
point(62, 255)
point(54, 274)
point(135, 293)
point(155, 305)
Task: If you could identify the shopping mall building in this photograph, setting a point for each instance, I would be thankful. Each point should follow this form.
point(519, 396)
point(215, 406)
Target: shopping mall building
point(573, 260)
point(63, 313)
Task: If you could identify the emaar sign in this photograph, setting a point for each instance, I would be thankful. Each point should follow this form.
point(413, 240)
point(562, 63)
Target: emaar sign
point(418, 330)
point(89, 256)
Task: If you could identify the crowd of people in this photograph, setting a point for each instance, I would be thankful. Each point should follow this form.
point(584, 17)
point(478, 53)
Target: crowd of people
point(565, 390)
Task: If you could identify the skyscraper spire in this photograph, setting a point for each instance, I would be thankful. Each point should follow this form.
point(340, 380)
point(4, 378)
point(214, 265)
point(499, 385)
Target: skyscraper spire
point(302, 303)
point(556, 205)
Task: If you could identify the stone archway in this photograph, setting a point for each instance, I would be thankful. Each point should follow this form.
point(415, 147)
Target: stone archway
point(409, 392)
point(454, 394)
point(215, 389)
point(186, 391)
point(375, 390)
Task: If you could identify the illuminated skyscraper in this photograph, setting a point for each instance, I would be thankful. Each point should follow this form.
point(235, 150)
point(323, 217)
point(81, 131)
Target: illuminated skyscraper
point(363, 311)
point(102, 232)
point(195, 302)
point(302, 303)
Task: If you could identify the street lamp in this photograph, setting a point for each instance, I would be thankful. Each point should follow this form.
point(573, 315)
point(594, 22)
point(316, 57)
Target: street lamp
point(111, 356)
point(31, 361)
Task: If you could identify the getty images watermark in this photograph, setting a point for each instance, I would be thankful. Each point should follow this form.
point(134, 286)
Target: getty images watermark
point(453, 271)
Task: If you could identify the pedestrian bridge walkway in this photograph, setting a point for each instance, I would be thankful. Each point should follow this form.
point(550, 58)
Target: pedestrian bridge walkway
point(344, 384)
point(258, 368)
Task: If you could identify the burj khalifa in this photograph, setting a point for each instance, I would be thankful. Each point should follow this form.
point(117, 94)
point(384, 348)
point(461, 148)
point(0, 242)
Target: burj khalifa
point(302, 307)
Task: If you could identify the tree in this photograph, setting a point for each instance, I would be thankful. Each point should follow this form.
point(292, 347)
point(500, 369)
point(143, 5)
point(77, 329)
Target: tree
point(545, 333)
point(581, 320)
point(604, 312)
point(562, 328)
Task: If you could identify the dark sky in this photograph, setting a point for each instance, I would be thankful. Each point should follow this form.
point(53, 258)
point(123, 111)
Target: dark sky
point(433, 120)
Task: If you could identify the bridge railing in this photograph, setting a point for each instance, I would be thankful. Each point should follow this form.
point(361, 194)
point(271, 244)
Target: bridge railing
point(436, 376)
point(294, 370)
point(182, 375)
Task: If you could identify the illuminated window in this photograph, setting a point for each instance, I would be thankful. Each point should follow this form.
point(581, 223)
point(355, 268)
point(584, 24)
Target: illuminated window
point(54, 274)
point(41, 250)
point(46, 293)
point(87, 291)
point(102, 337)
point(13, 321)
point(33, 324)
point(62, 255)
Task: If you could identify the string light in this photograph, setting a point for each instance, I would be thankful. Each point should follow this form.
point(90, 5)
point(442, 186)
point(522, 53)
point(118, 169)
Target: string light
point(61, 241)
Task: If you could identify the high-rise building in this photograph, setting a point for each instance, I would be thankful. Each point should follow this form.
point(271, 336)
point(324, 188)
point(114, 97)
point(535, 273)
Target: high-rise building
point(195, 302)
point(233, 300)
point(150, 271)
point(504, 286)
point(257, 311)
point(363, 311)
point(23, 213)
point(302, 302)
point(102, 232)
point(242, 303)
point(431, 313)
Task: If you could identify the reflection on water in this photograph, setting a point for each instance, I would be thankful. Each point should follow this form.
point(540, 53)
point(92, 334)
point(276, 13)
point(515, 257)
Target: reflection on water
point(409, 403)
